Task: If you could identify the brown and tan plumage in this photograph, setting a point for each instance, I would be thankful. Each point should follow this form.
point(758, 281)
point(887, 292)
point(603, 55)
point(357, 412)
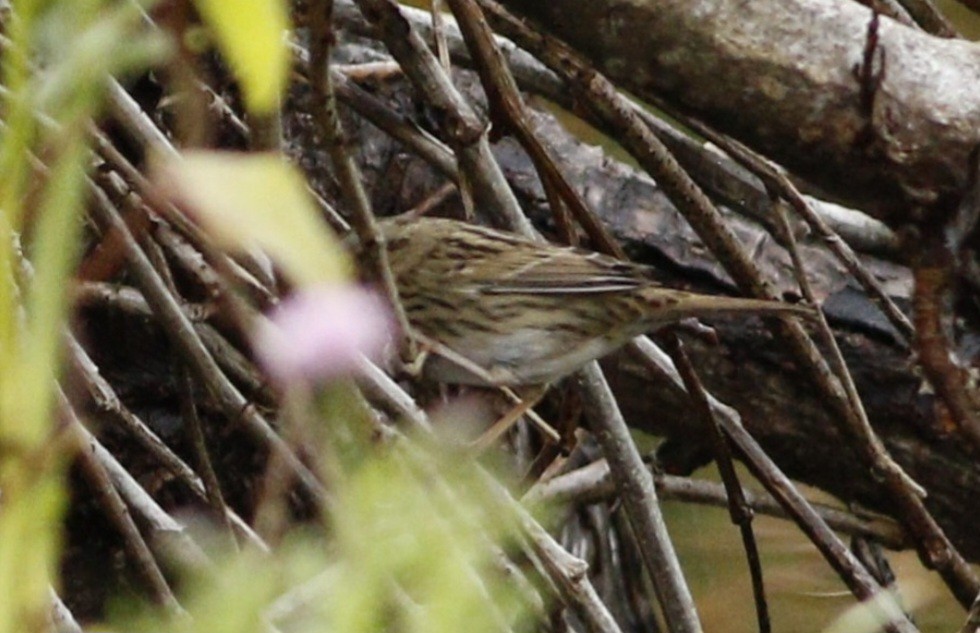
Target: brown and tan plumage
point(530, 313)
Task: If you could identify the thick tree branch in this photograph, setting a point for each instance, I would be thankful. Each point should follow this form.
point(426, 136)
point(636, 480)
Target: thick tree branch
point(778, 74)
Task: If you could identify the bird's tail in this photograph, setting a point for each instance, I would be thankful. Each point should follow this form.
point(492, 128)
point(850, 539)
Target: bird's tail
point(679, 305)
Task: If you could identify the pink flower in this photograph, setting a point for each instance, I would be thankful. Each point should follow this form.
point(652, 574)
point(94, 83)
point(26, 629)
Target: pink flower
point(318, 333)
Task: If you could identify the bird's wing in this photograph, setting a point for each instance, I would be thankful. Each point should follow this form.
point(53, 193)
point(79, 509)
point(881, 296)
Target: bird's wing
point(560, 271)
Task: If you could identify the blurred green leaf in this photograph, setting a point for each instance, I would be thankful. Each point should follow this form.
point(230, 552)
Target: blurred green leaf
point(873, 615)
point(416, 550)
point(247, 200)
point(410, 549)
point(29, 546)
point(251, 35)
point(56, 63)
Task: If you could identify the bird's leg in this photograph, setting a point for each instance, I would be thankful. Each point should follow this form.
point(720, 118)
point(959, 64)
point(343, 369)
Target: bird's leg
point(697, 329)
point(521, 407)
point(534, 394)
point(413, 366)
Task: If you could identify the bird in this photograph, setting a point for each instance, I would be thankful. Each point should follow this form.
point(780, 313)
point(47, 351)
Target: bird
point(506, 311)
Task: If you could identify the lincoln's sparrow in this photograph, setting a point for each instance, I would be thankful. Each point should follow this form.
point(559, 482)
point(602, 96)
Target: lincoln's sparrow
point(529, 313)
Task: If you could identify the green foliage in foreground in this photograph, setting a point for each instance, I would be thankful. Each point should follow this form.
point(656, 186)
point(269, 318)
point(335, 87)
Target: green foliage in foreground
point(406, 544)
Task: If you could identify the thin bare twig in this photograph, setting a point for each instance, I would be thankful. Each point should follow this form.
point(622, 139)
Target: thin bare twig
point(780, 185)
point(593, 483)
point(466, 133)
point(738, 508)
point(348, 174)
point(640, 496)
point(509, 111)
point(116, 512)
